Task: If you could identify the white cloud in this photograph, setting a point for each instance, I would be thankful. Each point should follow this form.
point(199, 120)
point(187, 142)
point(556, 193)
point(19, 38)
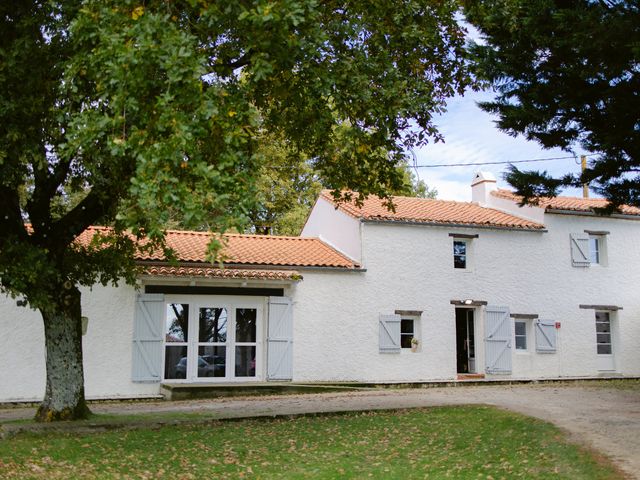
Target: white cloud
point(472, 137)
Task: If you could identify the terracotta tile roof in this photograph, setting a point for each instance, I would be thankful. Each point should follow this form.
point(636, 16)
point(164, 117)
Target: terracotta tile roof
point(567, 203)
point(264, 250)
point(213, 272)
point(445, 212)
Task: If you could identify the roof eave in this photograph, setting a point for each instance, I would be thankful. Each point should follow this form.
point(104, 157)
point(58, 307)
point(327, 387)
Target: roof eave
point(248, 266)
point(146, 277)
point(454, 225)
point(560, 211)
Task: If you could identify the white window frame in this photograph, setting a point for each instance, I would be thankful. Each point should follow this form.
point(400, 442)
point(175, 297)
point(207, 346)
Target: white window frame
point(416, 330)
point(601, 242)
point(231, 303)
point(594, 250)
point(610, 333)
point(526, 336)
point(467, 253)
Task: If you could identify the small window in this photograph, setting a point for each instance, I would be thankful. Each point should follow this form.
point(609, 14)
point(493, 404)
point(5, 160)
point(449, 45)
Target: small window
point(407, 332)
point(521, 335)
point(459, 254)
point(595, 249)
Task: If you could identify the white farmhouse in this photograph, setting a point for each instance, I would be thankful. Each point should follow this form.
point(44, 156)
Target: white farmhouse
point(435, 290)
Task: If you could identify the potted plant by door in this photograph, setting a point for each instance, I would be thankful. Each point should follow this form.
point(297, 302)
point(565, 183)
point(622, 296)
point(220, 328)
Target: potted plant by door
point(414, 344)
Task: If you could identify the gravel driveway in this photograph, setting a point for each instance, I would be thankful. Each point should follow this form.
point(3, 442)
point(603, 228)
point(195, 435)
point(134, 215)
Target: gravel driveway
point(607, 419)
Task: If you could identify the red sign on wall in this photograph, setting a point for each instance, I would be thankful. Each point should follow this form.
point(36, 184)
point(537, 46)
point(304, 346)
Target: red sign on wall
point(557, 324)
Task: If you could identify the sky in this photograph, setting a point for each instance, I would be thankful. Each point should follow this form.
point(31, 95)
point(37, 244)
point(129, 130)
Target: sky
point(472, 137)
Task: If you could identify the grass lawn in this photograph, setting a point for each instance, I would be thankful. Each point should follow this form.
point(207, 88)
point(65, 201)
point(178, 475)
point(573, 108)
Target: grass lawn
point(444, 442)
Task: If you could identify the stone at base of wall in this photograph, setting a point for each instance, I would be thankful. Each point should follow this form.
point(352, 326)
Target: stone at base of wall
point(182, 391)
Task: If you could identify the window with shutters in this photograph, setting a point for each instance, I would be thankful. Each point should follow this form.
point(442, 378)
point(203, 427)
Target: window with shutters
point(588, 250)
point(521, 335)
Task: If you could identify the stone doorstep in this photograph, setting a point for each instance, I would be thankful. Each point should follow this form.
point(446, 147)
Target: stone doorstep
point(470, 376)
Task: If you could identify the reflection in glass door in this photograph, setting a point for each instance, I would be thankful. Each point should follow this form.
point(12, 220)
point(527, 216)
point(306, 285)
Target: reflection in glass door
point(176, 337)
point(212, 340)
point(245, 342)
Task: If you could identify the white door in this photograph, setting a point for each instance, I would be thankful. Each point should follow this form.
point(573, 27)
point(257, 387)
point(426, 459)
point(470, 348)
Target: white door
point(604, 342)
point(213, 339)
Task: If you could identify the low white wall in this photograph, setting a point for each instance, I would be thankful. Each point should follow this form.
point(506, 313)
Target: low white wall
point(22, 376)
point(106, 348)
point(107, 345)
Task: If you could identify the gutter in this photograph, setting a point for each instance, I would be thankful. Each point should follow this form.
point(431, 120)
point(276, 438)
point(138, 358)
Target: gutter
point(248, 266)
point(622, 216)
point(454, 225)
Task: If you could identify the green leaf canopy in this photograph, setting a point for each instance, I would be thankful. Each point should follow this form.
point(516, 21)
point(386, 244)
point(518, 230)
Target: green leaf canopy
point(122, 113)
point(567, 73)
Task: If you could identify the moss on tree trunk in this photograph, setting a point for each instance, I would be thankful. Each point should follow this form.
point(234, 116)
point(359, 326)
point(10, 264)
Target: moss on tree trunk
point(64, 395)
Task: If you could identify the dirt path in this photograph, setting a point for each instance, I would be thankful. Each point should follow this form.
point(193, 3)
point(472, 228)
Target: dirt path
point(602, 418)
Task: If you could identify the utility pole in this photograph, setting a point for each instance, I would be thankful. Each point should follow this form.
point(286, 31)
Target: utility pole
point(585, 186)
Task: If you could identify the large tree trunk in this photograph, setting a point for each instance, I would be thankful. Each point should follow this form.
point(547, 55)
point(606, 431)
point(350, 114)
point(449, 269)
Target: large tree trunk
point(64, 396)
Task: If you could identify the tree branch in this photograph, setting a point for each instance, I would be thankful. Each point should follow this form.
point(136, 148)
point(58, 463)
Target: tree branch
point(92, 208)
point(46, 184)
point(11, 221)
point(233, 64)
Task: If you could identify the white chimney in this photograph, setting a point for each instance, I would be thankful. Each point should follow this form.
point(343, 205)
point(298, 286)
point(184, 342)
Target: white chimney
point(481, 187)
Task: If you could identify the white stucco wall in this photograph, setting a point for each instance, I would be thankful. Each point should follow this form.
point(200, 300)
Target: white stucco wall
point(22, 375)
point(334, 227)
point(106, 347)
point(411, 268)
point(529, 212)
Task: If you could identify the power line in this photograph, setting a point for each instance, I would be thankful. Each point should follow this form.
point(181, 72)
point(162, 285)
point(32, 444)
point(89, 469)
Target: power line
point(439, 165)
point(494, 163)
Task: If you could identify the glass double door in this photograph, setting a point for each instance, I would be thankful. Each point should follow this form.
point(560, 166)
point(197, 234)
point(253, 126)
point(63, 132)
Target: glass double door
point(212, 340)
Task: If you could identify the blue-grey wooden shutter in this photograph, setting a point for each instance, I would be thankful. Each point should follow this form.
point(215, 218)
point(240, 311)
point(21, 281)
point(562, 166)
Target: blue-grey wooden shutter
point(580, 256)
point(497, 339)
point(280, 339)
point(147, 338)
point(545, 336)
point(389, 328)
